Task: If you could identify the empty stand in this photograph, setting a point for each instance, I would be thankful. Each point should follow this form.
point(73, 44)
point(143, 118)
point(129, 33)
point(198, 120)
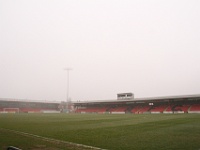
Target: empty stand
point(178, 108)
point(119, 109)
point(158, 109)
point(136, 109)
point(144, 109)
point(92, 110)
point(195, 107)
point(140, 109)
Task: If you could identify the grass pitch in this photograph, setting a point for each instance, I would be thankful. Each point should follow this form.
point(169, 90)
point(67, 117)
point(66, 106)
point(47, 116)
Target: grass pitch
point(114, 132)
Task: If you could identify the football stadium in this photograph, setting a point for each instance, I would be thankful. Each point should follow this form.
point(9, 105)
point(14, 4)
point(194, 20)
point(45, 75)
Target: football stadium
point(99, 75)
point(171, 122)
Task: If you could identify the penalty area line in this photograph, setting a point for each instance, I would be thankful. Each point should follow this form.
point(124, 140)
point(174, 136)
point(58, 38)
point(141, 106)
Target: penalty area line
point(52, 140)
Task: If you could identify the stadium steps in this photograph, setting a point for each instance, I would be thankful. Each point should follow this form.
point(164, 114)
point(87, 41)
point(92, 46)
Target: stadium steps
point(195, 107)
point(158, 108)
point(189, 108)
point(166, 108)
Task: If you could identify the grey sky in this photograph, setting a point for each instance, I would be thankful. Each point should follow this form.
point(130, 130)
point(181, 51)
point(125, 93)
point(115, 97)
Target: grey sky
point(148, 47)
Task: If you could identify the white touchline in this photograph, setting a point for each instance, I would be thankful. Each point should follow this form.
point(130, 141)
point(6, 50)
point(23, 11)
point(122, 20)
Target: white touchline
point(52, 140)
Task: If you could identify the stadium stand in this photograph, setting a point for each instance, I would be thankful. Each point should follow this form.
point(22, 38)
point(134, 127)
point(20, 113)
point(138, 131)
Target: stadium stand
point(25, 106)
point(195, 107)
point(158, 109)
point(119, 109)
point(178, 108)
point(171, 104)
point(92, 110)
point(144, 109)
point(136, 109)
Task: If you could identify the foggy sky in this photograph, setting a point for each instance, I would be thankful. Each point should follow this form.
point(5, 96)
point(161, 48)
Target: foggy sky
point(148, 47)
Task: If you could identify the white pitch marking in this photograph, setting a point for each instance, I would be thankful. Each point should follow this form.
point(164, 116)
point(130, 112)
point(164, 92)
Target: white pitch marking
point(52, 140)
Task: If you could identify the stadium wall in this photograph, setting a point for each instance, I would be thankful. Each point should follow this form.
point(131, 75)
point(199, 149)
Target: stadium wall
point(28, 106)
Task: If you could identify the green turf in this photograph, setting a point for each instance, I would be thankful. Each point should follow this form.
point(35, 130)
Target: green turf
point(114, 132)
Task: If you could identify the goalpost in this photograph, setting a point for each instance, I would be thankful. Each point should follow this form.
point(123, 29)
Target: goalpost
point(11, 110)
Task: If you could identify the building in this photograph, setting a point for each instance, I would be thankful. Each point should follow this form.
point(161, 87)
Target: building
point(126, 104)
point(28, 106)
point(125, 96)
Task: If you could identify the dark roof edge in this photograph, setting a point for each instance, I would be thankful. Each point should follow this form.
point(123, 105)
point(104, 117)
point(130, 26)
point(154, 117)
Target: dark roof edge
point(29, 101)
point(141, 99)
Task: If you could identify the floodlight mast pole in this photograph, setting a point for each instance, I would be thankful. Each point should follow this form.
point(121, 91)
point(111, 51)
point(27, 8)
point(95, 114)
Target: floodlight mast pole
point(67, 98)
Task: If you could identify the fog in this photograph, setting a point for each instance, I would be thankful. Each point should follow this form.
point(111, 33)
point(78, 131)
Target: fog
point(148, 47)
